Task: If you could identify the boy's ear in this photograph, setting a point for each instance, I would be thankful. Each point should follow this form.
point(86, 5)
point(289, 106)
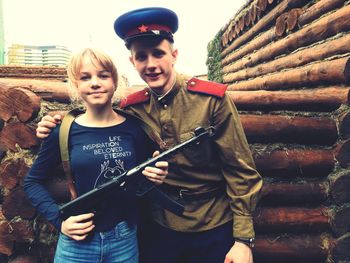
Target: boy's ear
point(174, 53)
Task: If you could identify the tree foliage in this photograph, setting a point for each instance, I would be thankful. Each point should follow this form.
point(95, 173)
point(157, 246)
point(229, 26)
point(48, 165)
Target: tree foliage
point(214, 59)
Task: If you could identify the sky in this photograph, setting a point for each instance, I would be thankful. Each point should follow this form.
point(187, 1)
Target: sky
point(77, 24)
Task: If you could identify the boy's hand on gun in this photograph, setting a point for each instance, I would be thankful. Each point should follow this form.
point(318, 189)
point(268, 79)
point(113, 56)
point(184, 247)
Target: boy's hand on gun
point(46, 124)
point(158, 173)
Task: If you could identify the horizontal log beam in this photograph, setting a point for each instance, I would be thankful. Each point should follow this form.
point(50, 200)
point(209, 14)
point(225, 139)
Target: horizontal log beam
point(302, 57)
point(322, 99)
point(29, 69)
point(280, 193)
point(33, 76)
point(323, 28)
point(278, 128)
point(295, 162)
point(263, 23)
point(292, 248)
point(328, 72)
point(291, 219)
point(302, 220)
point(46, 89)
point(319, 8)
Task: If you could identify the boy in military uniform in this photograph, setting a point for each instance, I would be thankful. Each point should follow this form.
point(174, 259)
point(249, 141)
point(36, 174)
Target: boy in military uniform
point(217, 179)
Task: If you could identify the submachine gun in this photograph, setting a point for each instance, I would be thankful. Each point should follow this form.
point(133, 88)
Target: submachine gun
point(90, 201)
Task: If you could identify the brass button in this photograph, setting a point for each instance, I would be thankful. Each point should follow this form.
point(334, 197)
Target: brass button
point(165, 106)
point(146, 93)
point(192, 83)
point(165, 128)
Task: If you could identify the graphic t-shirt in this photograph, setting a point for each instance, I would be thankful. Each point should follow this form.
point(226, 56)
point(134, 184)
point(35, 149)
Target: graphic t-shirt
point(96, 156)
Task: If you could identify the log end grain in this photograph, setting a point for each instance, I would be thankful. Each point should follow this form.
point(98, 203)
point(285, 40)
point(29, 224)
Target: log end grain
point(340, 222)
point(341, 250)
point(18, 133)
point(340, 186)
point(16, 203)
point(342, 154)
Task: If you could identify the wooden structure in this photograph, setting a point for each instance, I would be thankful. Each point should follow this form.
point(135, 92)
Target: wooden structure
point(286, 64)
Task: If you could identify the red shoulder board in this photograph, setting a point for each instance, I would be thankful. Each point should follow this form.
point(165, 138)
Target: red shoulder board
point(206, 87)
point(135, 98)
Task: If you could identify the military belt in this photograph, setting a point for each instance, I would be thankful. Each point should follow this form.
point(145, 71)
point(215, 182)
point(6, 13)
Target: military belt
point(190, 195)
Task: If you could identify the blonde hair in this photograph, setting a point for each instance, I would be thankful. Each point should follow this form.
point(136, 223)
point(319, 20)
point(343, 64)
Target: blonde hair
point(75, 63)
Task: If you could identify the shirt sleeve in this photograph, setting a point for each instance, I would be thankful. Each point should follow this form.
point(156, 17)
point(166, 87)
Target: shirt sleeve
point(34, 183)
point(243, 181)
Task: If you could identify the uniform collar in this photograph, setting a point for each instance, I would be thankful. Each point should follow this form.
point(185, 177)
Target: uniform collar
point(179, 82)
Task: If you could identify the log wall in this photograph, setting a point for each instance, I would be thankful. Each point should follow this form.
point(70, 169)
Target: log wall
point(286, 64)
point(287, 67)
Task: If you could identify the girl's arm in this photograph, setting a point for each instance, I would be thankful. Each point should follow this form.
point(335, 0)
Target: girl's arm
point(34, 183)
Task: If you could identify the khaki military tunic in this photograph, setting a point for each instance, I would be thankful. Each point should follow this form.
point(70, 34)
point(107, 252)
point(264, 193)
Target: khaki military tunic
point(224, 159)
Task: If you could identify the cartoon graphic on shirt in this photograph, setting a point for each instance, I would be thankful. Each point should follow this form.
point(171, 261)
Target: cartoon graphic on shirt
point(107, 173)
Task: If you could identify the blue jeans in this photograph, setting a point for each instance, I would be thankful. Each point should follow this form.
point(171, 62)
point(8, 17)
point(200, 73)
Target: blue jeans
point(118, 245)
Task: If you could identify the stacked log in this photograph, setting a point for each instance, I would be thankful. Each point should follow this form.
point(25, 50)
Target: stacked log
point(33, 72)
point(288, 75)
point(24, 235)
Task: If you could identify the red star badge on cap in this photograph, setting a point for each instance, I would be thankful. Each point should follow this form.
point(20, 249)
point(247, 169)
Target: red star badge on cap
point(142, 28)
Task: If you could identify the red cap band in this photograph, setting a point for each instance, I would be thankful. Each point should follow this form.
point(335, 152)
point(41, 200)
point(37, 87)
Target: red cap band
point(146, 28)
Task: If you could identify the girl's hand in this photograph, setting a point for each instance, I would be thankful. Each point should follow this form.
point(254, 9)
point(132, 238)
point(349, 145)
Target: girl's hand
point(158, 173)
point(78, 227)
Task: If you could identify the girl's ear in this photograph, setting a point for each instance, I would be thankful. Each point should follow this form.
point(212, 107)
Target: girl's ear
point(132, 60)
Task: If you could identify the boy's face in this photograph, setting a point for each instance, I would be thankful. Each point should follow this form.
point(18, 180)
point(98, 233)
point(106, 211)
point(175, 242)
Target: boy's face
point(154, 62)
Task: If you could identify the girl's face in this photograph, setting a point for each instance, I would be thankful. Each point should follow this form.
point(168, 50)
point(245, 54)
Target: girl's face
point(95, 85)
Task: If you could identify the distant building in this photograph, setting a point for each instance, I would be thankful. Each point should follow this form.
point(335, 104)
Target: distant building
point(38, 55)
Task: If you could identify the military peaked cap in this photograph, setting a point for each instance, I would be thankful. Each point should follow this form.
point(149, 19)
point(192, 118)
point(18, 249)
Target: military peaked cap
point(151, 21)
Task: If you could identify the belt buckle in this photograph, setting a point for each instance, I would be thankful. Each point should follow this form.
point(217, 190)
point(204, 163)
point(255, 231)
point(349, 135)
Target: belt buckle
point(181, 191)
